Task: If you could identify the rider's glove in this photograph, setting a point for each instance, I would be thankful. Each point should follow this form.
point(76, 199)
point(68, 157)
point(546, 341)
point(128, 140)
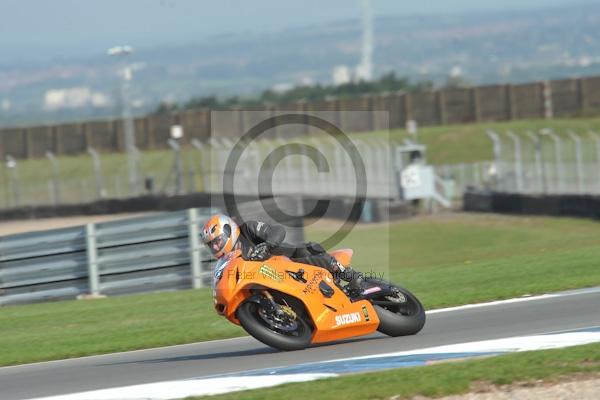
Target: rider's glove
point(260, 252)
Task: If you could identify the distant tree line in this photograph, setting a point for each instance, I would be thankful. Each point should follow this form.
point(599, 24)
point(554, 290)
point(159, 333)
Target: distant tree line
point(387, 83)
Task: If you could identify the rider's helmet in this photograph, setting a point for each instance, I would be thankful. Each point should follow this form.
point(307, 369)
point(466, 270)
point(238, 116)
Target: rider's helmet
point(220, 234)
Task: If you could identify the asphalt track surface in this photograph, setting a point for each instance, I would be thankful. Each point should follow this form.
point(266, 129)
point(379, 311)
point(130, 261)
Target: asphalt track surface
point(567, 311)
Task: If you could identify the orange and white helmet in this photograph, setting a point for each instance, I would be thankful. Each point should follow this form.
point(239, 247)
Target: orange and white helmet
point(220, 234)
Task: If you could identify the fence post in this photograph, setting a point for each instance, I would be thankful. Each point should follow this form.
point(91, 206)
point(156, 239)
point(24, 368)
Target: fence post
point(560, 170)
point(547, 100)
point(92, 259)
point(518, 159)
point(15, 180)
point(195, 262)
point(177, 166)
point(55, 177)
point(203, 160)
point(497, 148)
point(596, 139)
point(579, 160)
point(541, 176)
point(100, 191)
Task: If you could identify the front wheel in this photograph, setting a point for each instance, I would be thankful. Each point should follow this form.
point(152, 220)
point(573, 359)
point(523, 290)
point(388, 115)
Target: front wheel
point(400, 314)
point(282, 327)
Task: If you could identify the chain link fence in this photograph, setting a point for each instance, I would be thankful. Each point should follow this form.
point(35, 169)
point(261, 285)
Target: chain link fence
point(319, 167)
point(532, 162)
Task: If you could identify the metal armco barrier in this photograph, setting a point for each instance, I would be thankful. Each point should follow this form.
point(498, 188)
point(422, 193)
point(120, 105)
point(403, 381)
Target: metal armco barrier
point(158, 252)
point(146, 254)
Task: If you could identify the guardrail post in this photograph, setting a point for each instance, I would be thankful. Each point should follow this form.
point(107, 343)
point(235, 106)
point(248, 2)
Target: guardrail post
point(92, 259)
point(194, 233)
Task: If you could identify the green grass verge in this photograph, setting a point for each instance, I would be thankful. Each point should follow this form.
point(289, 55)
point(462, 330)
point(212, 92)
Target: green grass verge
point(445, 260)
point(439, 380)
point(463, 258)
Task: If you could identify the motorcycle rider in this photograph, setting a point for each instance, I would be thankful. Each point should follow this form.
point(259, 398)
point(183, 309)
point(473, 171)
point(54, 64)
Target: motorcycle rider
point(259, 240)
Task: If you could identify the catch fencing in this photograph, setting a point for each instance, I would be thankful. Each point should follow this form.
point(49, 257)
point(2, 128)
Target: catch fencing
point(546, 162)
point(301, 173)
point(533, 162)
point(367, 168)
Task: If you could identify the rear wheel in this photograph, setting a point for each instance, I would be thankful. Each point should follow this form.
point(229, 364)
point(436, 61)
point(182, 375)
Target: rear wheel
point(401, 315)
point(277, 325)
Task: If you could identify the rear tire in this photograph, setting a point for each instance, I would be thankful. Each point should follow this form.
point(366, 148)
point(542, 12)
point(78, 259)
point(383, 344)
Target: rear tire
point(406, 319)
point(248, 316)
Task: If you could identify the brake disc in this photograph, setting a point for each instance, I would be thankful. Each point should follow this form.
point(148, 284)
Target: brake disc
point(398, 297)
point(284, 321)
point(289, 311)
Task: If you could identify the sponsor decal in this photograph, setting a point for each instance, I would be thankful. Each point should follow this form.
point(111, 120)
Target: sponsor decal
point(313, 284)
point(372, 290)
point(346, 319)
point(322, 315)
point(270, 273)
point(365, 313)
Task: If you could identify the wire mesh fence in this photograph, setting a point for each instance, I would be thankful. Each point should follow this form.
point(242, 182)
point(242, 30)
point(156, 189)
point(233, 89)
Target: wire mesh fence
point(316, 166)
point(530, 162)
point(542, 162)
point(96, 176)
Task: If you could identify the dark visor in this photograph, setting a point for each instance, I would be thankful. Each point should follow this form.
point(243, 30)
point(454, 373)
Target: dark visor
point(217, 244)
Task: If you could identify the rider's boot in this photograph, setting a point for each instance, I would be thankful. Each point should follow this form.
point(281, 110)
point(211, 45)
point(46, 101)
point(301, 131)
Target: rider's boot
point(354, 279)
point(347, 274)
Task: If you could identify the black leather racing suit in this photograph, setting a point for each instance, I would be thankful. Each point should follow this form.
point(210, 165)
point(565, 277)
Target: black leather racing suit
point(253, 233)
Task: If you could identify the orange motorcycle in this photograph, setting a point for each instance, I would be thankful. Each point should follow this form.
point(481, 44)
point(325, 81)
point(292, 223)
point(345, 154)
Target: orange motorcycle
point(289, 306)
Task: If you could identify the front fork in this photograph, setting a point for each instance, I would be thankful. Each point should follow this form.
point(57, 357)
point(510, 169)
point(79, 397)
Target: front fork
point(271, 306)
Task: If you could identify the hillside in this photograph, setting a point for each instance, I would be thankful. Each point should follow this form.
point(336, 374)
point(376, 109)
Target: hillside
point(482, 48)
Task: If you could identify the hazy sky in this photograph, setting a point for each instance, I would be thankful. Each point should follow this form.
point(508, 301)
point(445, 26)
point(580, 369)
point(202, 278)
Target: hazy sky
point(40, 29)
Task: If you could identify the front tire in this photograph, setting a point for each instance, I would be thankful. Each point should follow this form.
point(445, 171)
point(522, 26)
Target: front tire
point(255, 325)
point(407, 318)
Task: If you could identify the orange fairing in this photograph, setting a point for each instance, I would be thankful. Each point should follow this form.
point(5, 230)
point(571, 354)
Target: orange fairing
point(344, 256)
point(333, 318)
